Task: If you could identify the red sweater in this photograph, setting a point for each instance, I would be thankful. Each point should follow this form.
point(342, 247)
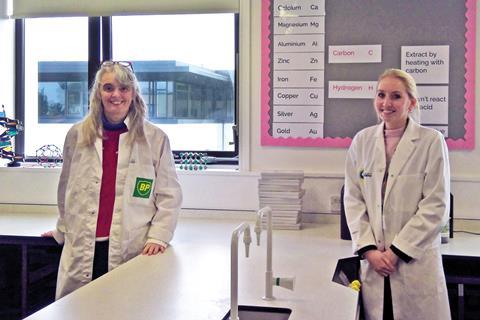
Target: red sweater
point(109, 175)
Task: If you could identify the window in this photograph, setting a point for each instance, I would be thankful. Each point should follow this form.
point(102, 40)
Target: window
point(61, 98)
point(56, 89)
point(188, 62)
point(185, 65)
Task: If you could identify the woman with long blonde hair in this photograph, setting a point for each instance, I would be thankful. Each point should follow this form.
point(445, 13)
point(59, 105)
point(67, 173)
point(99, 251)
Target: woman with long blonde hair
point(118, 194)
point(397, 191)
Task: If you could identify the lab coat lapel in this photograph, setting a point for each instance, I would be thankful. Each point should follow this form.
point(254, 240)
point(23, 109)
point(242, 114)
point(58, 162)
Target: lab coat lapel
point(379, 156)
point(125, 148)
point(405, 148)
point(99, 148)
point(380, 162)
point(124, 152)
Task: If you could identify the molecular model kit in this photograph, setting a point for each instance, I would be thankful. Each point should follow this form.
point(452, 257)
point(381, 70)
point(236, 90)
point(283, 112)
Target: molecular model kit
point(193, 161)
point(49, 156)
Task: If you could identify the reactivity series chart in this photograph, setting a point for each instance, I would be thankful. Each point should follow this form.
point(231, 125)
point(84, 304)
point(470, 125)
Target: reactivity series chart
point(321, 60)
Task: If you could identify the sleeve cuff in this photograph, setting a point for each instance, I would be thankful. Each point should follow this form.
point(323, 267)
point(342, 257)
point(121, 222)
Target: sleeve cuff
point(160, 242)
point(58, 236)
point(363, 250)
point(405, 257)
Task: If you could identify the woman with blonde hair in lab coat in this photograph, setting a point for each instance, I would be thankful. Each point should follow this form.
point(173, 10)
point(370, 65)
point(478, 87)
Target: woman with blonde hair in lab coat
point(118, 194)
point(397, 189)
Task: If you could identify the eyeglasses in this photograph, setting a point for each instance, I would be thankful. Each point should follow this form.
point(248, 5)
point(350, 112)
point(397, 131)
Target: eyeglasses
point(125, 64)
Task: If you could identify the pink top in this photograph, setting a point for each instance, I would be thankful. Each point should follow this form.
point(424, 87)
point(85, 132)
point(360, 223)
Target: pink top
point(392, 138)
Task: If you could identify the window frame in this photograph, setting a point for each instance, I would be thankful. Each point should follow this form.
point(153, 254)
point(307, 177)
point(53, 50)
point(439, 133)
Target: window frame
point(100, 45)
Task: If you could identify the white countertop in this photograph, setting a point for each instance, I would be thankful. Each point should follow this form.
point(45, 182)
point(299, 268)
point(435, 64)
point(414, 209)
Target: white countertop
point(192, 279)
point(26, 224)
point(462, 244)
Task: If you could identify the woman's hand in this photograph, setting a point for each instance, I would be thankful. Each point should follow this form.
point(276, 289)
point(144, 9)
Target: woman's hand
point(380, 262)
point(47, 234)
point(151, 249)
point(391, 256)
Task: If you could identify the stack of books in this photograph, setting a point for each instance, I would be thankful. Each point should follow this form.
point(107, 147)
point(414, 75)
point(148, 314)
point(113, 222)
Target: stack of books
point(282, 192)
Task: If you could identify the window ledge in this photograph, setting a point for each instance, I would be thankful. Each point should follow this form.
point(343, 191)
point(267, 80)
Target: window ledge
point(31, 167)
point(220, 170)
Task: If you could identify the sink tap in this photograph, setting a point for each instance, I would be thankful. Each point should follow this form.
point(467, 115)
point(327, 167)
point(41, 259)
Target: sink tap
point(247, 239)
point(270, 280)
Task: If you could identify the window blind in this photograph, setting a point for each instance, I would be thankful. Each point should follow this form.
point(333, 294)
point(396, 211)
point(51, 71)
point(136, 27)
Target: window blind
point(71, 8)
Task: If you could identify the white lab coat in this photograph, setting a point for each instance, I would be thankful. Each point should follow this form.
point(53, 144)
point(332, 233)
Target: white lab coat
point(135, 219)
point(415, 208)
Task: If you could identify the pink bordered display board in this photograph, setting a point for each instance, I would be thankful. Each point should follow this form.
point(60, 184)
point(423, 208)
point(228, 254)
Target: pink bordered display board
point(321, 59)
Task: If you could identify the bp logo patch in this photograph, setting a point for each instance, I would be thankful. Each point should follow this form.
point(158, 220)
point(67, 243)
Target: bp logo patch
point(143, 188)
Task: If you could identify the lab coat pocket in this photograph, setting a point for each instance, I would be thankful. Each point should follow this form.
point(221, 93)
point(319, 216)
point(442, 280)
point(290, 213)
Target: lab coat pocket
point(72, 254)
point(136, 241)
point(407, 192)
point(424, 276)
point(367, 274)
point(140, 184)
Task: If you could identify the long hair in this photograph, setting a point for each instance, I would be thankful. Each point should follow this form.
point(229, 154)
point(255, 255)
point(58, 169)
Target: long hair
point(410, 87)
point(92, 125)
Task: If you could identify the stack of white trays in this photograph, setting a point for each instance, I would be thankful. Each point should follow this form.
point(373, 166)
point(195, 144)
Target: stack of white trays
point(282, 191)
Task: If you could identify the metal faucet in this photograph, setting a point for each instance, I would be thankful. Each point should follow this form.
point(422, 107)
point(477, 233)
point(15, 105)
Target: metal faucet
point(247, 239)
point(270, 281)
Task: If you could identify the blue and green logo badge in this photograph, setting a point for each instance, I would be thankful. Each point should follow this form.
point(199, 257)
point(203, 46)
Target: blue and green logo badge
point(143, 188)
point(364, 174)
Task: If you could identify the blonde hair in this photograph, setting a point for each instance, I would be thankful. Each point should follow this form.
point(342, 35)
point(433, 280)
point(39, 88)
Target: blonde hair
point(410, 87)
point(92, 125)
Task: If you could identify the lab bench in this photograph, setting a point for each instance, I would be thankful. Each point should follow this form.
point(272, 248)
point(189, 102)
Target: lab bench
point(461, 263)
point(28, 263)
point(191, 280)
point(28, 272)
